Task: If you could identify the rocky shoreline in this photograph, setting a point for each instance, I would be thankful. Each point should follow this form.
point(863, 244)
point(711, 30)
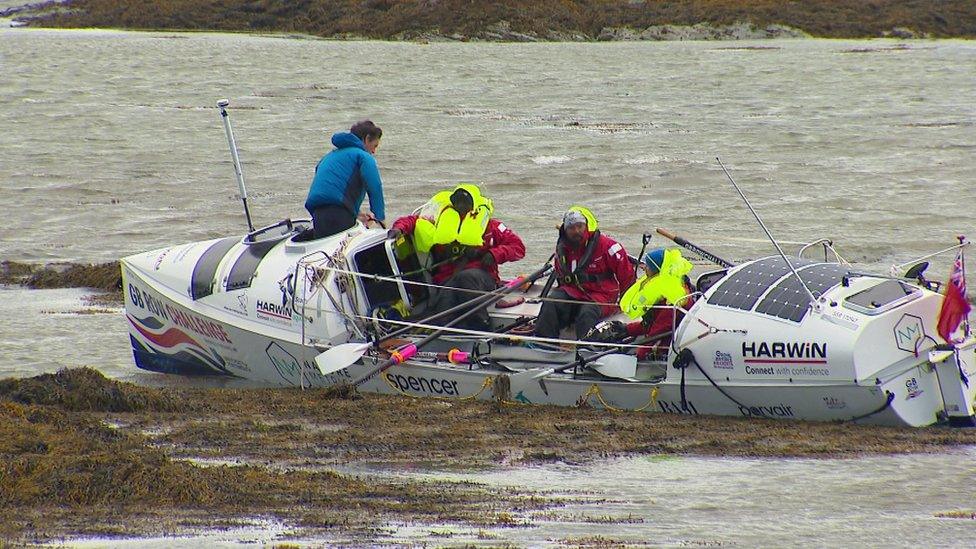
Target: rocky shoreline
point(502, 32)
point(508, 21)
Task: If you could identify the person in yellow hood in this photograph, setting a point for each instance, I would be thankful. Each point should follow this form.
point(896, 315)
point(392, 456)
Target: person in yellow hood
point(466, 245)
point(654, 298)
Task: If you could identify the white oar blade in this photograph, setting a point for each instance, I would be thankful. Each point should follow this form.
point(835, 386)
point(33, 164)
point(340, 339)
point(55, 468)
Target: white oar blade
point(522, 379)
point(616, 365)
point(341, 356)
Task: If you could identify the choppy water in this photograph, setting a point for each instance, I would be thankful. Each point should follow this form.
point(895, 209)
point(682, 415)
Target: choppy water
point(704, 502)
point(111, 145)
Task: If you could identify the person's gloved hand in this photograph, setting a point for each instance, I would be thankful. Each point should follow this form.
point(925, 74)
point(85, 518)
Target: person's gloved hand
point(394, 233)
point(472, 253)
point(607, 331)
point(488, 259)
point(618, 329)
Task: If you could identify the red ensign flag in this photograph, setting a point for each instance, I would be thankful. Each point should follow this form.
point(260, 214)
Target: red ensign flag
point(955, 306)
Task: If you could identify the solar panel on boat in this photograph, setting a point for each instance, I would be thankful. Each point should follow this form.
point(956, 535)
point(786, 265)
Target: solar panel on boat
point(789, 301)
point(742, 289)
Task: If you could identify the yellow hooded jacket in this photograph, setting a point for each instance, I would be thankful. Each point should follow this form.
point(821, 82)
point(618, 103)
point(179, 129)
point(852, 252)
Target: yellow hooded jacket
point(440, 223)
point(668, 284)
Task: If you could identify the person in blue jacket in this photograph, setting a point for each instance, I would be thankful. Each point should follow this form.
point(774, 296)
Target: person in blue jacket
point(343, 178)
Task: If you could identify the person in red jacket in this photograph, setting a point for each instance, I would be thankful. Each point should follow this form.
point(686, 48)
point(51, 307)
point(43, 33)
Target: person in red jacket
point(590, 266)
point(472, 268)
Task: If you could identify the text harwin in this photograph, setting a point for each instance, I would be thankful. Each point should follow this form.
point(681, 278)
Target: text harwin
point(781, 349)
point(273, 309)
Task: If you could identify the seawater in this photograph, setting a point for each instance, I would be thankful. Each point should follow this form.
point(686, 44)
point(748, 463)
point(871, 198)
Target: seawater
point(112, 144)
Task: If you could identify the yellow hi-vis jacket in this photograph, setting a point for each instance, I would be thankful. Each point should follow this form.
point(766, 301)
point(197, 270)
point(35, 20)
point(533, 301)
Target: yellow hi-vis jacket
point(440, 223)
point(668, 284)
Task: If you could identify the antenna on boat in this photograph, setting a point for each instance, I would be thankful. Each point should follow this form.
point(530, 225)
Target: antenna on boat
point(222, 105)
point(813, 300)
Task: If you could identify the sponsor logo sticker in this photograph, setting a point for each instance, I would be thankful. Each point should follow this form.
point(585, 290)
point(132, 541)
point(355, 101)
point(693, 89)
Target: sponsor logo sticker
point(777, 410)
point(276, 312)
point(723, 361)
point(834, 403)
point(909, 330)
point(913, 390)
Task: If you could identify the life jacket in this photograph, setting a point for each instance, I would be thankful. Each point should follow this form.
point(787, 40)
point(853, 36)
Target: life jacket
point(668, 284)
point(575, 277)
point(438, 223)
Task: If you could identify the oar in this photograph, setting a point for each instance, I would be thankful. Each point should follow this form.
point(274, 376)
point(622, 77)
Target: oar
point(341, 356)
point(616, 365)
point(528, 376)
point(689, 246)
point(404, 353)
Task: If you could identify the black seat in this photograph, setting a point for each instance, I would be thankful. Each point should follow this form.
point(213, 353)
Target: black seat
point(707, 280)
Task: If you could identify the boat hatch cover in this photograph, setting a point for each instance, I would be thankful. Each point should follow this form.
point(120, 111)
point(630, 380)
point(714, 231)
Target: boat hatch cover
point(244, 268)
point(883, 297)
point(202, 280)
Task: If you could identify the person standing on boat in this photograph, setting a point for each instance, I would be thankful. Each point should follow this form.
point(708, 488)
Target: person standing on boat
point(343, 178)
point(656, 298)
point(465, 245)
point(590, 266)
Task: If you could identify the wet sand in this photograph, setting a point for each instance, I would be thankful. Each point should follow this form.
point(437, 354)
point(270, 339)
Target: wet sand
point(83, 455)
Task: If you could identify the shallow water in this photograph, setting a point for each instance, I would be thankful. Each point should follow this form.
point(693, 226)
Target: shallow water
point(878, 501)
point(112, 145)
point(661, 501)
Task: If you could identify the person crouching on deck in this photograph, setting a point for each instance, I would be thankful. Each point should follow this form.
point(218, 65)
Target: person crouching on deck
point(590, 266)
point(466, 245)
point(342, 180)
point(655, 299)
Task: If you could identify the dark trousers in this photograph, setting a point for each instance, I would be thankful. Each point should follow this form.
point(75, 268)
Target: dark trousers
point(331, 219)
point(443, 299)
point(554, 316)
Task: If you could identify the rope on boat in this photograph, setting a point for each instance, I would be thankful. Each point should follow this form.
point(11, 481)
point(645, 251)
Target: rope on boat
point(681, 362)
point(686, 357)
point(709, 331)
point(594, 390)
point(511, 337)
point(314, 273)
point(896, 269)
point(383, 278)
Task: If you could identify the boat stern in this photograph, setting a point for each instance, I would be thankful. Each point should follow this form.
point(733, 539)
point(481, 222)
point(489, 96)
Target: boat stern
point(955, 368)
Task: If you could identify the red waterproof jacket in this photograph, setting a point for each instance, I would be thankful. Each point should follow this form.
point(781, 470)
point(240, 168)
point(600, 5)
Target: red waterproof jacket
point(608, 271)
point(500, 241)
point(658, 320)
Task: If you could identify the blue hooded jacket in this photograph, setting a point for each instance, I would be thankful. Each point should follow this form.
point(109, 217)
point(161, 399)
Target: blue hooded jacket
point(344, 176)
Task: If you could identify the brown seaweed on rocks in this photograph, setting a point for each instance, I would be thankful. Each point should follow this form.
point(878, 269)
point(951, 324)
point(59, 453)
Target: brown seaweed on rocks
point(86, 389)
point(78, 457)
point(84, 455)
point(102, 276)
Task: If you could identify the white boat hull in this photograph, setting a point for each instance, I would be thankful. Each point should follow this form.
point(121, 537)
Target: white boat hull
point(770, 338)
point(174, 334)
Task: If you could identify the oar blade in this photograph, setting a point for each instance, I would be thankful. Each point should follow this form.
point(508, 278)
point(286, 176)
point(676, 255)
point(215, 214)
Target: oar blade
point(339, 357)
point(526, 377)
point(616, 365)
